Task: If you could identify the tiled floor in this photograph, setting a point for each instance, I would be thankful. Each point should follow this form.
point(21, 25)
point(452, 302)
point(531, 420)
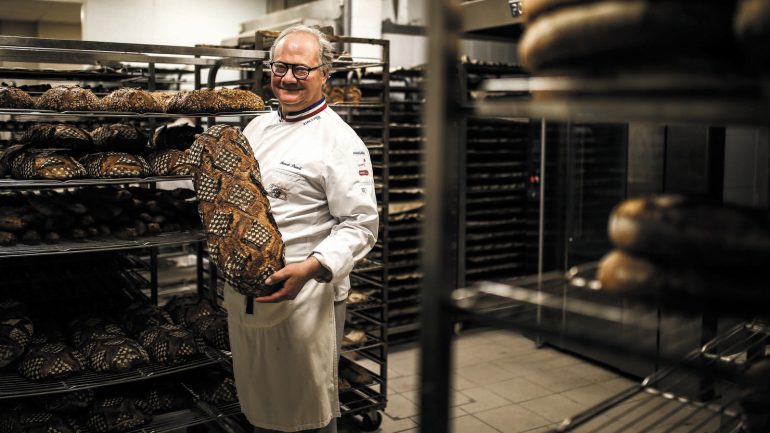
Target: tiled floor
point(501, 383)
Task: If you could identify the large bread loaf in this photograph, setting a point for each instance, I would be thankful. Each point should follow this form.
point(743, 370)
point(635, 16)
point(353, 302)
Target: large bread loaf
point(243, 238)
point(64, 98)
point(131, 100)
point(11, 97)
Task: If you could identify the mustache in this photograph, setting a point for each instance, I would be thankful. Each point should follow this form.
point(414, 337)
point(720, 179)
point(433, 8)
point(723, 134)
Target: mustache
point(290, 87)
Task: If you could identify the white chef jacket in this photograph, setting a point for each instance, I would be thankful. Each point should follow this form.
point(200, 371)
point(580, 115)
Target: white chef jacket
point(320, 185)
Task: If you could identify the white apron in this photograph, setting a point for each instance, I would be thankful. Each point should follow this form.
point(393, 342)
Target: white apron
point(285, 359)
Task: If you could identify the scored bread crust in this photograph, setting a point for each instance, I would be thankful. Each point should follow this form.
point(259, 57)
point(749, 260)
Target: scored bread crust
point(68, 98)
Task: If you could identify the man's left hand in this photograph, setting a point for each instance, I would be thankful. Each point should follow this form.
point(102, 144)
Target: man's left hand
point(294, 276)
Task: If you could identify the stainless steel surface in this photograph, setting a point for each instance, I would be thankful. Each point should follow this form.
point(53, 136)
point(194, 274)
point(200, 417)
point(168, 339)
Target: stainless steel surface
point(489, 14)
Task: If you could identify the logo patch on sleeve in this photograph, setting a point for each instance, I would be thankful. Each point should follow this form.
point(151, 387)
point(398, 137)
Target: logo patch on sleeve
point(363, 172)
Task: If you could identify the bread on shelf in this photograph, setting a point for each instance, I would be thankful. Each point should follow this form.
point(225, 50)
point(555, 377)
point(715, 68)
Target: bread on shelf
point(131, 100)
point(68, 98)
point(12, 97)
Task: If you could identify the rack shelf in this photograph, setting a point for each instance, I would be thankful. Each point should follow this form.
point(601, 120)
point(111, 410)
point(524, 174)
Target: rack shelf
point(43, 183)
point(201, 414)
point(26, 112)
point(108, 244)
point(15, 386)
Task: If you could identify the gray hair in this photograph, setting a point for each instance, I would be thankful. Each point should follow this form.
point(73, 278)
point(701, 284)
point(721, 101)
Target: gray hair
point(325, 55)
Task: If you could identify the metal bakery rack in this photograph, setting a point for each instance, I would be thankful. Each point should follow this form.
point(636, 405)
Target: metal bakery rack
point(693, 392)
point(159, 67)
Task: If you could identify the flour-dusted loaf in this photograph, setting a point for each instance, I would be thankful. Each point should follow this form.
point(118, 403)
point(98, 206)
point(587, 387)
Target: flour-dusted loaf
point(56, 135)
point(50, 361)
point(114, 164)
point(45, 164)
point(168, 163)
point(16, 330)
point(131, 100)
point(195, 101)
point(169, 344)
point(68, 98)
point(107, 352)
point(115, 414)
point(119, 137)
point(12, 97)
point(232, 100)
point(243, 238)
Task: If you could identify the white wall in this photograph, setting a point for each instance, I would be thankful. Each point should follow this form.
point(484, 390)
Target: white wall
point(167, 22)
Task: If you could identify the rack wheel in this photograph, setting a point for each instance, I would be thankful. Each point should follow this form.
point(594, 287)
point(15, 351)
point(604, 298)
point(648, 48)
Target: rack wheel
point(371, 421)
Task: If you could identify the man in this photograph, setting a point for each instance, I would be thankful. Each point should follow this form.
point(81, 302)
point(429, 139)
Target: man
point(318, 176)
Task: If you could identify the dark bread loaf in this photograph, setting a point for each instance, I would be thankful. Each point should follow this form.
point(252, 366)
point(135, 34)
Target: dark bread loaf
point(131, 100)
point(352, 94)
point(67, 403)
point(114, 164)
point(168, 163)
point(52, 135)
point(188, 309)
point(139, 316)
point(213, 330)
point(162, 98)
point(35, 422)
point(50, 361)
point(239, 100)
point(119, 137)
point(684, 230)
point(242, 235)
point(46, 164)
point(195, 101)
point(106, 352)
point(11, 97)
point(169, 344)
point(354, 373)
point(84, 327)
point(618, 34)
point(16, 330)
point(115, 414)
point(174, 137)
point(65, 98)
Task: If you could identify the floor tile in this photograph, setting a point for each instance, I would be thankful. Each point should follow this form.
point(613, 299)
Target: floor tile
point(470, 424)
point(400, 407)
point(403, 384)
point(484, 374)
point(554, 408)
point(390, 425)
point(589, 395)
point(482, 399)
point(518, 390)
point(460, 383)
point(558, 380)
point(592, 372)
point(512, 419)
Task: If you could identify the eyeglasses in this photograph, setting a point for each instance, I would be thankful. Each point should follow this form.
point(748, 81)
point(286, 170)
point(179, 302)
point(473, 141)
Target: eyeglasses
point(300, 71)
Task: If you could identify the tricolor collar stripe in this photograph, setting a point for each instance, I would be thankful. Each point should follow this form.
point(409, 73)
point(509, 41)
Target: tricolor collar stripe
point(310, 111)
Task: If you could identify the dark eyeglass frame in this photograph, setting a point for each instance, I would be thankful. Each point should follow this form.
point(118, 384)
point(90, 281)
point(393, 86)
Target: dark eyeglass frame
point(293, 68)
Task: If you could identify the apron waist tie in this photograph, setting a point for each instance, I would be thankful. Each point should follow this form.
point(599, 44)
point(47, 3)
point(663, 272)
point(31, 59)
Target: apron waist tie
point(249, 305)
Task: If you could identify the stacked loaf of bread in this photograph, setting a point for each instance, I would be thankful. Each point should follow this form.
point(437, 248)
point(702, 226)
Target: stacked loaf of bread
point(687, 251)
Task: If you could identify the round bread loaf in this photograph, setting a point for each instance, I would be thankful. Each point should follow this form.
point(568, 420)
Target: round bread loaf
point(50, 361)
point(233, 100)
point(106, 352)
point(36, 422)
point(115, 414)
point(621, 34)
point(46, 164)
point(11, 97)
point(683, 230)
point(64, 98)
point(243, 238)
point(119, 137)
point(67, 403)
point(131, 100)
point(16, 331)
point(139, 316)
point(188, 309)
point(334, 94)
point(162, 98)
point(174, 136)
point(213, 330)
point(352, 94)
point(195, 101)
point(52, 135)
point(169, 344)
point(105, 165)
point(168, 163)
point(83, 328)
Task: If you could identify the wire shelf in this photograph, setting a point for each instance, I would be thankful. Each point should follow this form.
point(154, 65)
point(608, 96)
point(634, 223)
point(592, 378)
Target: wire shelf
point(680, 398)
point(108, 244)
point(98, 114)
point(203, 413)
point(46, 183)
point(14, 386)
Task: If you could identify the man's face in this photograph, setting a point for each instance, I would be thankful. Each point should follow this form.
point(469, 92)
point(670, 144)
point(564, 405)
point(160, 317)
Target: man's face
point(293, 94)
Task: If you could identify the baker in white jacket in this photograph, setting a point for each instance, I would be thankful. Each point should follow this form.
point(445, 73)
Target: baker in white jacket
point(318, 177)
